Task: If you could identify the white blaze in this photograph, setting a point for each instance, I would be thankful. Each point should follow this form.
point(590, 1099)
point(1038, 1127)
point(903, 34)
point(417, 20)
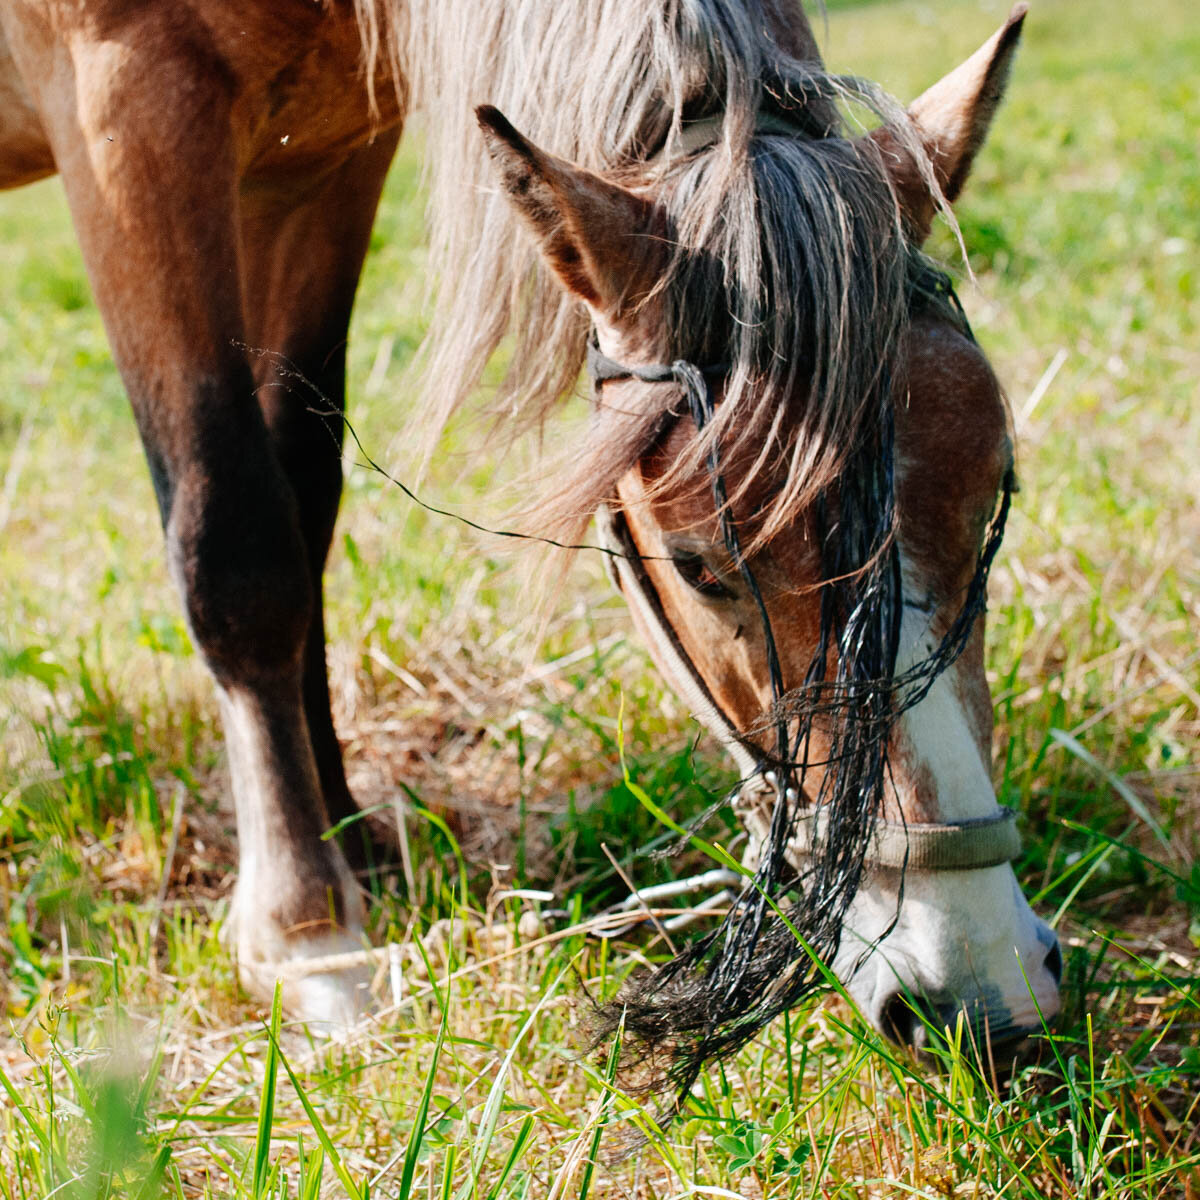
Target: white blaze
point(960, 937)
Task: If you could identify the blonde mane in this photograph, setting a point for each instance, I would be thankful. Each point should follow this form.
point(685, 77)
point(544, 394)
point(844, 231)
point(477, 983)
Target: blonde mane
point(789, 262)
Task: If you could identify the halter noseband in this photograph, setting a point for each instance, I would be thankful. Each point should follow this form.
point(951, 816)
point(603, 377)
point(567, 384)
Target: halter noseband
point(971, 844)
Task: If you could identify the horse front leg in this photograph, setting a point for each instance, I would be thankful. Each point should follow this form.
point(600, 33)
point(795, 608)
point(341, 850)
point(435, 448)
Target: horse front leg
point(140, 126)
point(304, 238)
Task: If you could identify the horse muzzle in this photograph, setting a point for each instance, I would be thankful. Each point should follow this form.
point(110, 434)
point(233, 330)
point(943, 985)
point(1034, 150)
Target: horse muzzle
point(956, 958)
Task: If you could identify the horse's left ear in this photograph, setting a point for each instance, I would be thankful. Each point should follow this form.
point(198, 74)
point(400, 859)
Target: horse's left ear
point(952, 120)
point(599, 238)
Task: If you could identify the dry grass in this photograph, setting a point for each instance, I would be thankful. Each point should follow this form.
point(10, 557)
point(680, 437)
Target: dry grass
point(127, 1036)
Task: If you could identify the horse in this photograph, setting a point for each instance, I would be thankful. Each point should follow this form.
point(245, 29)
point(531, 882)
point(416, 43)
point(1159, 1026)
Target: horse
point(799, 459)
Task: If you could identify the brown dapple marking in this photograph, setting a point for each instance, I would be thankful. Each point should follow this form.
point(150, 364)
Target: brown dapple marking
point(223, 164)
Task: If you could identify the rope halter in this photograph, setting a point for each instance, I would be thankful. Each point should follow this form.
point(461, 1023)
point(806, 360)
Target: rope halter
point(974, 843)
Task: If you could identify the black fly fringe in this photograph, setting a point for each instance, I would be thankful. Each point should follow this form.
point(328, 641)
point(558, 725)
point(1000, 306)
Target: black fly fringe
point(767, 953)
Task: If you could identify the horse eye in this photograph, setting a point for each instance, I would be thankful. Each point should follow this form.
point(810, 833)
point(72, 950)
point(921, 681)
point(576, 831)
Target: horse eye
point(699, 576)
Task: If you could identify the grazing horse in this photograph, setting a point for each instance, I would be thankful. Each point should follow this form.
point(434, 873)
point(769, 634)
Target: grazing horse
point(798, 455)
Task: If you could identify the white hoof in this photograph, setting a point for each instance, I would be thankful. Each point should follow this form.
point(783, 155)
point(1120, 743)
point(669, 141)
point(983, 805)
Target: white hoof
point(325, 981)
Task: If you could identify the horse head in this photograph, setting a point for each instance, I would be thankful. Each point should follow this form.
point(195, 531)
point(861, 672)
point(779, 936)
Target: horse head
point(803, 462)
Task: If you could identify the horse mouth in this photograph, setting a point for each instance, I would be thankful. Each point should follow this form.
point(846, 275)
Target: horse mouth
point(996, 1053)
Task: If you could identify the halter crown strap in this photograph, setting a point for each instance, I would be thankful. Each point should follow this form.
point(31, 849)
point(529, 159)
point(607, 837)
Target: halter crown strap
point(690, 378)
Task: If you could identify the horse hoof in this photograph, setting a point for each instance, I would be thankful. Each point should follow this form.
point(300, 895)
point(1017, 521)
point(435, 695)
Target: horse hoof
point(325, 983)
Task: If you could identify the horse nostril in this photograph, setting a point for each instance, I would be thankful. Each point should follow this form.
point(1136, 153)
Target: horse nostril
point(1054, 962)
point(901, 1019)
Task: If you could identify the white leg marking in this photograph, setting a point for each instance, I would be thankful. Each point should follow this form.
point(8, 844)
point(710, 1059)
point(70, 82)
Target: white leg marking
point(288, 877)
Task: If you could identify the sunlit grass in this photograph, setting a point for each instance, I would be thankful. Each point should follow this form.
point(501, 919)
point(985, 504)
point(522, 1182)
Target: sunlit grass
point(131, 1064)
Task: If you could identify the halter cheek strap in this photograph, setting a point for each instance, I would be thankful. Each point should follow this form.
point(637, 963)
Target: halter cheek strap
point(971, 844)
point(629, 576)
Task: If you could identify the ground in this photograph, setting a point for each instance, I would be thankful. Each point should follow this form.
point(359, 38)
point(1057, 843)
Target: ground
point(132, 1064)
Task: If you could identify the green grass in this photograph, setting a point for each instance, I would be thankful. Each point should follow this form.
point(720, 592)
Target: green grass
point(131, 1065)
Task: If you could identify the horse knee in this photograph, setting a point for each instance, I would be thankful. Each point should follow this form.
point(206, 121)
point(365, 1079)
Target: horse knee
point(239, 559)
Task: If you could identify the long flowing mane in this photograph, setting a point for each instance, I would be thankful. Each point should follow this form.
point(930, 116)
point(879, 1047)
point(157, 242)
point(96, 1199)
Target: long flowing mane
point(788, 263)
point(787, 251)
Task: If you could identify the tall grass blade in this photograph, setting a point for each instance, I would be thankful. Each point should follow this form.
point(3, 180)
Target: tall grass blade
point(610, 1083)
point(413, 1153)
point(448, 1171)
point(260, 1180)
point(151, 1188)
point(514, 1156)
point(715, 852)
point(491, 1109)
point(1114, 780)
point(327, 1144)
point(314, 1168)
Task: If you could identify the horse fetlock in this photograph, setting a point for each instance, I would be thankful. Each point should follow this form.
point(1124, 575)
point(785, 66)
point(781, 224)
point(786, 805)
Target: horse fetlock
point(324, 982)
point(319, 963)
point(296, 899)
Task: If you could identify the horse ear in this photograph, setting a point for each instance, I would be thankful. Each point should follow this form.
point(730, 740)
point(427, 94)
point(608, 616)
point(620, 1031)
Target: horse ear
point(596, 236)
point(952, 120)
